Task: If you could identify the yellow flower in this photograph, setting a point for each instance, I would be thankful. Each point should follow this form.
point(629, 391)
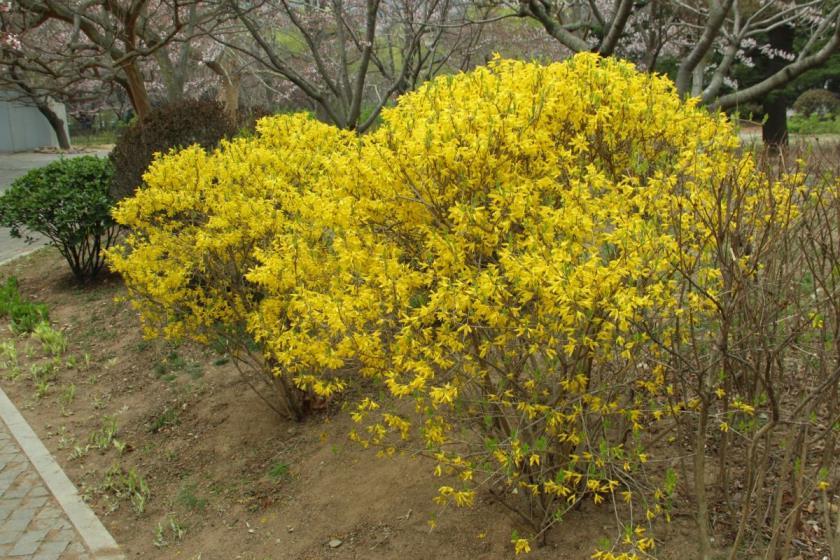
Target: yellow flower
point(522, 546)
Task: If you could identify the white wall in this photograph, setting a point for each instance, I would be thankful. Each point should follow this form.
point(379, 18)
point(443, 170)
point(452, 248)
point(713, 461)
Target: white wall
point(25, 128)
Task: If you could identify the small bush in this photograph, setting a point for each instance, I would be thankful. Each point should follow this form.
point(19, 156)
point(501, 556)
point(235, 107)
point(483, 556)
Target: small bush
point(68, 202)
point(25, 316)
point(175, 125)
point(819, 102)
point(814, 125)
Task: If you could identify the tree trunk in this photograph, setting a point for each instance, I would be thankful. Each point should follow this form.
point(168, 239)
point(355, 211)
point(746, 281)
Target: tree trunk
point(136, 89)
point(774, 132)
point(57, 125)
point(230, 95)
point(172, 82)
point(229, 81)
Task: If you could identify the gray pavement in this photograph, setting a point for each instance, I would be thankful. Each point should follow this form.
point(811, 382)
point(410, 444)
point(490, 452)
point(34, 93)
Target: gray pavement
point(42, 516)
point(16, 165)
point(32, 524)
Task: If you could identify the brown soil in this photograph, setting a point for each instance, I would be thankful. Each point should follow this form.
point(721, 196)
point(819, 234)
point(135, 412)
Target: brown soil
point(219, 464)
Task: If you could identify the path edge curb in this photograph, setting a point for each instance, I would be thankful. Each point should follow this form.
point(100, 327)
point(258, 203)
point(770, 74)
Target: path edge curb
point(98, 540)
point(26, 254)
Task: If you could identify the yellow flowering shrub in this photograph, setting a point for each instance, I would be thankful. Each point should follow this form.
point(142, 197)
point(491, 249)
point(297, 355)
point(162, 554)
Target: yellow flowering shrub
point(526, 210)
point(503, 263)
point(503, 232)
point(746, 354)
point(198, 226)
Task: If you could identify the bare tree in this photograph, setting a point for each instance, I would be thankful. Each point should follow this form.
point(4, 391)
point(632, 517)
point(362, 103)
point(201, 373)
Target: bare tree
point(351, 57)
point(581, 25)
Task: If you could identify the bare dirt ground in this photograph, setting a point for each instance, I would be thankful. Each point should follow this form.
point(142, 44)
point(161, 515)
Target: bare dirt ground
point(225, 477)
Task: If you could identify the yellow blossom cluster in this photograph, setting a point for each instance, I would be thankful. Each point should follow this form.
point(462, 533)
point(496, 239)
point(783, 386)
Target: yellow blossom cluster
point(203, 221)
point(482, 260)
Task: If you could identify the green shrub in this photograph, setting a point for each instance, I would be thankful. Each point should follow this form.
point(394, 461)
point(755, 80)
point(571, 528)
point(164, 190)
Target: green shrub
point(176, 125)
point(24, 315)
point(817, 102)
point(68, 202)
point(814, 125)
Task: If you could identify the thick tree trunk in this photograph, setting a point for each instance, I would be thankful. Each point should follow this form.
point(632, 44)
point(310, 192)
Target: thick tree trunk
point(774, 133)
point(136, 89)
point(174, 84)
point(57, 125)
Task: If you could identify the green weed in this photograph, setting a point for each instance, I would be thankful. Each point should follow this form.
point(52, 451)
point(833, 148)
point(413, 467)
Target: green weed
point(53, 341)
point(24, 315)
point(168, 368)
point(187, 497)
point(41, 389)
point(9, 359)
point(176, 530)
point(44, 372)
point(103, 438)
point(67, 398)
point(128, 485)
point(169, 417)
point(278, 471)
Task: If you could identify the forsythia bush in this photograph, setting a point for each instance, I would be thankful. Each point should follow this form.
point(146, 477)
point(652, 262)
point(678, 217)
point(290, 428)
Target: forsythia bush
point(528, 211)
point(501, 262)
point(199, 225)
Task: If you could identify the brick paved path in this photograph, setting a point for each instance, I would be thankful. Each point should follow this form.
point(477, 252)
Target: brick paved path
point(32, 524)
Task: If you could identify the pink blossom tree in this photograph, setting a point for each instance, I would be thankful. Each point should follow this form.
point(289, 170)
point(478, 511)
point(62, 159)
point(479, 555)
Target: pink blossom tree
point(130, 36)
point(34, 74)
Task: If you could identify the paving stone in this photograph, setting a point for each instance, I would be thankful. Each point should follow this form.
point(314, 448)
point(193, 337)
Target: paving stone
point(28, 543)
point(39, 491)
point(32, 524)
point(52, 549)
point(48, 512)
point(59, 545)
point(65, 534)
point(9, 537)
point(37, 502)
point(18, 521)
point(19, 489)
point(6, 509)
point(77, 552)
point(49, 556)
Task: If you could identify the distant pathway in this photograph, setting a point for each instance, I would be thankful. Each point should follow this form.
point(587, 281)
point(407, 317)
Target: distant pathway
point(42, 516)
